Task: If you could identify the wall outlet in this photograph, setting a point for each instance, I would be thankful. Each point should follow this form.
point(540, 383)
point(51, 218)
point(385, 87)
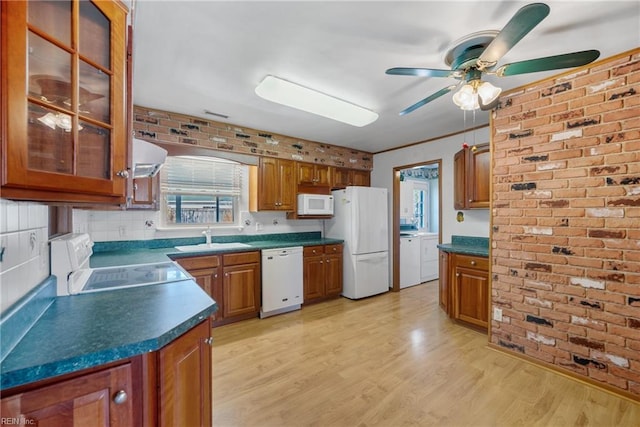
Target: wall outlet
point(497, 314)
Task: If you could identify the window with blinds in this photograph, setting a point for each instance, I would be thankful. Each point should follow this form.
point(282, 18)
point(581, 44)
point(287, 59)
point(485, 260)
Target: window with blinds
point(200, 191)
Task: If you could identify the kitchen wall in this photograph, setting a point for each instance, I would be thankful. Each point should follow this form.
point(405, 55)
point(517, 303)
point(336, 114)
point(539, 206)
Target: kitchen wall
point(566, 223)
point(180, 129)
point(105, 226)
point(476, 222)
point(25, 251)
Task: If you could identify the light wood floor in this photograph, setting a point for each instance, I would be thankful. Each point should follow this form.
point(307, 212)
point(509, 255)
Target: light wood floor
point(390, 360)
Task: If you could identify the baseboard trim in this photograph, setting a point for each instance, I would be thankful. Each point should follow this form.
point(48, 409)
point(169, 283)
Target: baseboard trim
point(567, 373)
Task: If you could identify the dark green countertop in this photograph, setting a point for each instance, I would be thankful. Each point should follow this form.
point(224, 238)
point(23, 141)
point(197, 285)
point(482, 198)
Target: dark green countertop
point(467, 245)
point(125, 256)
point(46, 336)
point(86, 330)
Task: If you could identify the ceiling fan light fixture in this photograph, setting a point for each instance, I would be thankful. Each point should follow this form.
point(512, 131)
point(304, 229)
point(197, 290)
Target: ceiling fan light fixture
point(469, 96)
point(466, 98)
point(488, 92)
point(302, 98)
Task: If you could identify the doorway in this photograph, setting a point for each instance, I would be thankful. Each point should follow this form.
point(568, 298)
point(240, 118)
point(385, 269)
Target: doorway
point(417, 204)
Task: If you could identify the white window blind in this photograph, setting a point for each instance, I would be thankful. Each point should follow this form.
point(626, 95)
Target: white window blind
point(197, 175)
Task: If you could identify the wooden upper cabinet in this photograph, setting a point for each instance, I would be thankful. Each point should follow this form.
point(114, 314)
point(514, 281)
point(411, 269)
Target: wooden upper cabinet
point(360, 178)
point(340, 178)
point(472, 176)
point(343, 177)
point(144, 193)
point(276, 187)
point(313, 174)
point(459, 180)
point(479, 171)
point(63, 89)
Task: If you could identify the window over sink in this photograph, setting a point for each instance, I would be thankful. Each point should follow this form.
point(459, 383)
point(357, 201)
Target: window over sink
point(197, 191)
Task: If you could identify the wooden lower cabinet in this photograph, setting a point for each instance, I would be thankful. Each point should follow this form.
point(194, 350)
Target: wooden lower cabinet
point(102, 398)
point(322, 270)
point(168, 387)
point(470, 289)
point(464, 288)
point(233, 280)
point(206, 272)
point(443, 282)
point(185, 385)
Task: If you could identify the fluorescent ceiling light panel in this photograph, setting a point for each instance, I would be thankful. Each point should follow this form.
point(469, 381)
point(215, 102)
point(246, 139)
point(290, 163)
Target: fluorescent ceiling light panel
point(292, 95)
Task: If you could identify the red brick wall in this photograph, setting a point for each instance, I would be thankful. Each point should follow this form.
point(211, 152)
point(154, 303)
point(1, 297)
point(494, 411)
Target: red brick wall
point(156, 125)
point(566, 222)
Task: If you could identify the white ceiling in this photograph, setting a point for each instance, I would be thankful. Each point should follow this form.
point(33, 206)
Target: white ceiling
point(192, 56)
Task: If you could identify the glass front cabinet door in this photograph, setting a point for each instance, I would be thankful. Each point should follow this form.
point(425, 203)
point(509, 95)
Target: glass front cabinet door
point(64, 134)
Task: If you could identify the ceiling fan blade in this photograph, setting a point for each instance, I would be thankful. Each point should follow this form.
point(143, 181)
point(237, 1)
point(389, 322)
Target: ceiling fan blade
point(567, 60)
point(420, 72)
point(519, 26)
point(428, 99)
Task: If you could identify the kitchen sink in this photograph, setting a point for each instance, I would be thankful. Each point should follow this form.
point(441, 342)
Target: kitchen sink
point(202, 247)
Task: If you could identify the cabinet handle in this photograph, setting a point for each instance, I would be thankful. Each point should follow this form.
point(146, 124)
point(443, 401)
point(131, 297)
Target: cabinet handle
point(457, 274)
point(209, 341)
point(473, 263)
point(120, 397)
point(321, 262)
point(327, 261)
point(123, 173)
point(215, 276)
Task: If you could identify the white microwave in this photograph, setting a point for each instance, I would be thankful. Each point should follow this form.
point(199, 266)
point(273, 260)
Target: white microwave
point(315, 204)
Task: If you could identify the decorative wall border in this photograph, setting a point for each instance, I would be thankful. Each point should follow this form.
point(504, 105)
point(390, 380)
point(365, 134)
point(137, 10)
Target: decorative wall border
point(163, 126)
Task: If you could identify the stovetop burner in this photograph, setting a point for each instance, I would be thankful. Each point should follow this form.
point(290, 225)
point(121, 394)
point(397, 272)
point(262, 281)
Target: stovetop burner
point(70, 256)
point(134, 275)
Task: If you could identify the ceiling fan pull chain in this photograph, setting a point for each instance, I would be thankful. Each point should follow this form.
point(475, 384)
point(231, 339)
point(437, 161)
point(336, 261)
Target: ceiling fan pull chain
point(464, 126)
point(474, 130)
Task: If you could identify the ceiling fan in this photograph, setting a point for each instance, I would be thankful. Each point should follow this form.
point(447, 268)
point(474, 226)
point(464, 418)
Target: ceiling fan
point(479, 53)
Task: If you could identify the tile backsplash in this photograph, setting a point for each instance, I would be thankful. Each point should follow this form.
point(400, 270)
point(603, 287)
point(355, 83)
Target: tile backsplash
point(104, 226)
point(25, 250)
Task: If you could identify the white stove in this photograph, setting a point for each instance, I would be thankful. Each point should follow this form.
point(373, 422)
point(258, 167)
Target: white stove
point(70, 264)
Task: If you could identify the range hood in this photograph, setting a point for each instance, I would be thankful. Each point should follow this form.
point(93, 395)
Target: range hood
point(148, 158)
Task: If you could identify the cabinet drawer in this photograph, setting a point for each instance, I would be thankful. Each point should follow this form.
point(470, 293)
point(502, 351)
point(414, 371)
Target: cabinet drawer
point(333, 249)
point(241, 258)
point(313, 250)
point(195, 263)
point(480, 263)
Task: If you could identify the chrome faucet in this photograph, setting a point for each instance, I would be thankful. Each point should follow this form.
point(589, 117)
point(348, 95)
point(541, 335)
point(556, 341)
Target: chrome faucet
point(207, 235)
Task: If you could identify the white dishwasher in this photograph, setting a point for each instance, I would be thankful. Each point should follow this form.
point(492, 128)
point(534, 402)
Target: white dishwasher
point(282, 289)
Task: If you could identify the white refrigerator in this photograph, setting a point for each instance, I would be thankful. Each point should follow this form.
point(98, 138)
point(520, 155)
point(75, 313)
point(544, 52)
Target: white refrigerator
point(360, 219)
